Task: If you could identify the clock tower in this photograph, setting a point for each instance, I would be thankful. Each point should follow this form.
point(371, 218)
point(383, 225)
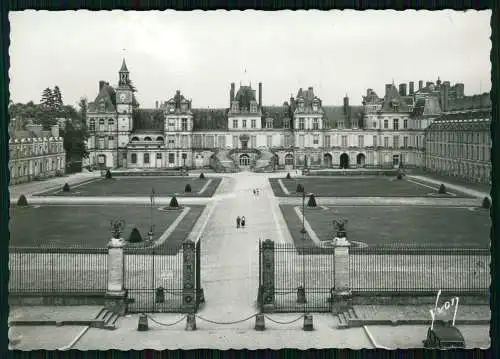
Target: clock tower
point(124, 101)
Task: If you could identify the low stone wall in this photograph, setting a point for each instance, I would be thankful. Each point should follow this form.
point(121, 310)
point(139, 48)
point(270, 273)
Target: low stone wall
point(356, 172)
point(149, 173)
point(50, 299)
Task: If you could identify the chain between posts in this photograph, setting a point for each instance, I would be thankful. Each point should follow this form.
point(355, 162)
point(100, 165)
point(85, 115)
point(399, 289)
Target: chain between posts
point(166, 324)
point(226, 323)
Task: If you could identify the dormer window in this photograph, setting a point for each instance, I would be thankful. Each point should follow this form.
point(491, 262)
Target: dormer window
point(286, 123)
point(301, 103)
point(315, 124)
point(235, 106)
point(184, 107)
point(253, 107)
point(269, 123)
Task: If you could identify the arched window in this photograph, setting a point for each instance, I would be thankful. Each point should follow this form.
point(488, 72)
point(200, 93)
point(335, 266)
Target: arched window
point(159, 138)
point(111, 122)
point(135, 138)
point(147, 138)
point(92, 125)
point(146, 158)
point(133, 158)
point(289, 159)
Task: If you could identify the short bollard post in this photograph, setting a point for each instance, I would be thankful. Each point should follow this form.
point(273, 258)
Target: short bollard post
point(260, 323)
point(160, 295)
point(190, 322)
point(301, 295)
point(142, 326)
point(308, 323)
point(201, 298)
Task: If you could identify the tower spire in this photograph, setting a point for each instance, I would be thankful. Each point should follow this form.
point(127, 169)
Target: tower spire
point(124, 66)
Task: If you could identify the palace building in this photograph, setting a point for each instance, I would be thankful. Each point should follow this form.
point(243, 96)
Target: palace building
point(386, 131)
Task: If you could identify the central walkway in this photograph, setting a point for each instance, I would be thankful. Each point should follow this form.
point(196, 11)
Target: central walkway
point(230, 256)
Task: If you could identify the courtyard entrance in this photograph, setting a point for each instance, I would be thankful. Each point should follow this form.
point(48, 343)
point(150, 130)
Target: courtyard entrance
point(327, 160)
point(244, 161)
point(344, 161)
point(360, 159)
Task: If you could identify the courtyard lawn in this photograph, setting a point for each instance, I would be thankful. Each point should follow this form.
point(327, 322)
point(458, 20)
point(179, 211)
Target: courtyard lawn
point(397, 225)
point(69, 226)
point(358, 186)
point(142, 186)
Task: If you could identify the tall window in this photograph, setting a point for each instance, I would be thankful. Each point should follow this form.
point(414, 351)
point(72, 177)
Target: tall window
point(301, 141)
point(184, 141)
point(111, 124)
point(92, 125)
point(315, 139)
point(288, 140)
point(171, 158)
point(235, 123)
point(396, 141)
point(158, 156)
point(386, 123)
point(209, 141)
point(269, 123)
point(395, 124)
point(286, 123)
point(253, 123)
point(326, 141)
point(301, 123)
point(315, 124)
point(222, 141)
point(196, 141)
point(171, 141)
point(100, 143)
point(405, 141)
point(235, 141)
point(253, 141)
point(111, 141)
point(184, 124)
point(146, 158)
point(269, 141)
point(101, 124)
point(361, 141)
point(133, 158)
point(244, 124)
point(374, 125)
point(375, 141)
point(386, 142)
point(344, 141)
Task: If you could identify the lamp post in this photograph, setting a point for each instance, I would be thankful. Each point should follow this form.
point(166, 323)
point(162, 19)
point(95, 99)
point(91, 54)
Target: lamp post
point(184, 156)
point(151, 204)
point(301, 292)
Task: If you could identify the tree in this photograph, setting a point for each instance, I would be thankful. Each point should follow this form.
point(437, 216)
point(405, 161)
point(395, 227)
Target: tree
point(74, 142)
point(47, 100)
point(83, 106)
point(57, 99)
point(442, 189)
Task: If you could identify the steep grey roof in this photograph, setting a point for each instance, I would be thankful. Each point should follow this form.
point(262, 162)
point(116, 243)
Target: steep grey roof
point(108, 96)
point(475, 120)
point(278, 113)
point(426, 107)
point(393, 99)
point(209, 119)
point(244, 96)
point(148, 119)
point(470, 102)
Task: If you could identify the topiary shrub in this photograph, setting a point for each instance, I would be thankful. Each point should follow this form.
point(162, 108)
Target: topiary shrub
point(22, 201)
point(486, 203)
point(135, 236)
point(108, 174)
point(174, 203)
point(202, 176)
point(312, 201)
point(300, 188)
point(288, 176)
point(400, 176)
point(187, 188)
point(66, 187)
point(442, 189)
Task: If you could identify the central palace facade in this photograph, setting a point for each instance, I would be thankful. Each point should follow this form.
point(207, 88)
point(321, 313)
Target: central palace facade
point(387, 131)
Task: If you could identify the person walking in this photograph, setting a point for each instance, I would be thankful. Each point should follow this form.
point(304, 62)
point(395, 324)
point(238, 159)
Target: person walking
point(243, 221)
point(238, 221)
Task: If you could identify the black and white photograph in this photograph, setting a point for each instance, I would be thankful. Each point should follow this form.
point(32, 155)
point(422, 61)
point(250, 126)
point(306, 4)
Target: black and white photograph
point(249, 179)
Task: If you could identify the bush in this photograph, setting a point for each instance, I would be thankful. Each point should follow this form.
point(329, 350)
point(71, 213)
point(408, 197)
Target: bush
point(442, 189)
point(187, 188)
point(486, 203)
point(312, 201)
point(202, 176)
point(22, 201)
point(66, 187)
point(174, 203)
point(400, 176)
point(288, 176)
point(300, 188)
point(135, 236)
point(108, 174)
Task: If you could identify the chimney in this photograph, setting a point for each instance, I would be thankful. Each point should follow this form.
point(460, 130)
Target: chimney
point(412, 87)
point(54, 131)
point(428, 83)
point(460, 90)
point(101, 85)
point(156, 104)
point(387, 89)
point(402, 89)
point(260, 94)
point(231, 93)
point(346, 105)
point(420, 84)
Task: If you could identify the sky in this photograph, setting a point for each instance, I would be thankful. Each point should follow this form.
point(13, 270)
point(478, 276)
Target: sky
point(200, 53)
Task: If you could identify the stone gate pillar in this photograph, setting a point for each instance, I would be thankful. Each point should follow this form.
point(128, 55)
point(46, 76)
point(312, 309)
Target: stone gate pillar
point(341, 295)
point(116, 293)
point(268, 269)
point(188, 277)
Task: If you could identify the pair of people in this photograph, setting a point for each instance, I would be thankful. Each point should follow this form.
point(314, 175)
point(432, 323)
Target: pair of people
point(255, 191)
point(240, 222)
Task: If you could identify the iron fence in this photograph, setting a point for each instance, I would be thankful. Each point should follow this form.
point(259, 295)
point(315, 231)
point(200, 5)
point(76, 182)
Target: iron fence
point(310, 268)
point(414, 270)
point(153, 278)
point(48, 270)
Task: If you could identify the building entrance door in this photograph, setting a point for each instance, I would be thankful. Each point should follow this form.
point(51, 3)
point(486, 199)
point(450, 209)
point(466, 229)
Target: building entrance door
point(244, 161)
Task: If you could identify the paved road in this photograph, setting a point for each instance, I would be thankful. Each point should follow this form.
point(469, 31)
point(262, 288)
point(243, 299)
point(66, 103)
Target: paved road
point(230, 262)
